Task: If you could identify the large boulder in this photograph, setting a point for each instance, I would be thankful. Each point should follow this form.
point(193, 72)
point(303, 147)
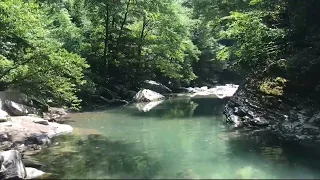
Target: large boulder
point(156, 87)
point(293, 122)
point(11, 165)
point(13, 95)
point(146, 95)
point(19, 109)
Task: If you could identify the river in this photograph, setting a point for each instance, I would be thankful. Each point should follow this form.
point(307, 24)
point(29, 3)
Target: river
point(180, 138)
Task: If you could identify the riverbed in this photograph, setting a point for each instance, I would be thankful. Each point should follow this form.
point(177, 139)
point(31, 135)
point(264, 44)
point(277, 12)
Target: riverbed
point(179, 138)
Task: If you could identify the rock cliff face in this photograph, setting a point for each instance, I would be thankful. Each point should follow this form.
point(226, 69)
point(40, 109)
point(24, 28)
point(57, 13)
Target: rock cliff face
point(290, 120)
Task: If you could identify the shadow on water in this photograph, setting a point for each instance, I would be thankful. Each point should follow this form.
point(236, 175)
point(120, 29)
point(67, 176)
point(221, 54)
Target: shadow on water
point(183, 108)
point(95, 156)
point(285, 159)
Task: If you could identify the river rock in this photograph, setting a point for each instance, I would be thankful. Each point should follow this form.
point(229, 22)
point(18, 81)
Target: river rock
point(4, 116)
point(11, 165)
point(59, 129)
point(40, 139)
point(146, 95)
point(241, 112)
point(33, 173)
point(54, 114)
point(6, 145)
point(156, 87)
point(19, 109)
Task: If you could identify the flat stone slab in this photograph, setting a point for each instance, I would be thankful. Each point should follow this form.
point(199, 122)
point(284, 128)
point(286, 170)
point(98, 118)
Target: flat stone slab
point(33, 119)
point(20, 129)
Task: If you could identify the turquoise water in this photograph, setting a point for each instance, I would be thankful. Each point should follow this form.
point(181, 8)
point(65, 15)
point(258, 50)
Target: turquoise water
point(180, 138)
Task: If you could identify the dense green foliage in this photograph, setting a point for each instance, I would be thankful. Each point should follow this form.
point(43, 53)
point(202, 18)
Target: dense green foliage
point(32, 59)
point(65, 49)
point(267, 39)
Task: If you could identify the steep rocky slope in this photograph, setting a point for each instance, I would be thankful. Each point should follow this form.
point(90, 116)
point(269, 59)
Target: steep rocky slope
point(291, 116)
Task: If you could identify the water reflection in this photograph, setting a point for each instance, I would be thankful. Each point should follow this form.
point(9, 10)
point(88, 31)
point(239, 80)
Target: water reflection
point(147, 106)
point(180, 108)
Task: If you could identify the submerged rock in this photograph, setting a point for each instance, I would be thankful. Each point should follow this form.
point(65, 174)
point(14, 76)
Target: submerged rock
point(146, 95)
point(40, 139)
point(249, 172)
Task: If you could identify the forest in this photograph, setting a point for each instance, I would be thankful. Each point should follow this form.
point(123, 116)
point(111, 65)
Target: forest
point(71, 52)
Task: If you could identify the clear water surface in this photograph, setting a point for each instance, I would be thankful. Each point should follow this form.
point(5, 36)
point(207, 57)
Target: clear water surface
point(180, 138)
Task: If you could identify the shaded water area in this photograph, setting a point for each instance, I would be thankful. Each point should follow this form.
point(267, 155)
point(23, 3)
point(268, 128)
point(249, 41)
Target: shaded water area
point(180, 138)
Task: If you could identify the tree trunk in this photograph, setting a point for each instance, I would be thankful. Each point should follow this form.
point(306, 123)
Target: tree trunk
point(122, 26)
point(144, 25)
point(106, 42)
point(140, 72)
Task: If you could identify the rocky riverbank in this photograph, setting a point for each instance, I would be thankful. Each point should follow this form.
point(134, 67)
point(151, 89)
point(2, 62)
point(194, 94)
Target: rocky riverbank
point(291, 120)
point(24, 131)
point(22, 136)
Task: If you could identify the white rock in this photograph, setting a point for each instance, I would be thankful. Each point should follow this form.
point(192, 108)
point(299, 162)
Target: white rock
point(11, 165)
point(20, 109)
point(204, 88)
point(40, 121)
point(156, 87)
point(33, 173)
point(146, 95)
point(3, 113)
point(3, 116)
point(59, 129)
point(33, 115)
